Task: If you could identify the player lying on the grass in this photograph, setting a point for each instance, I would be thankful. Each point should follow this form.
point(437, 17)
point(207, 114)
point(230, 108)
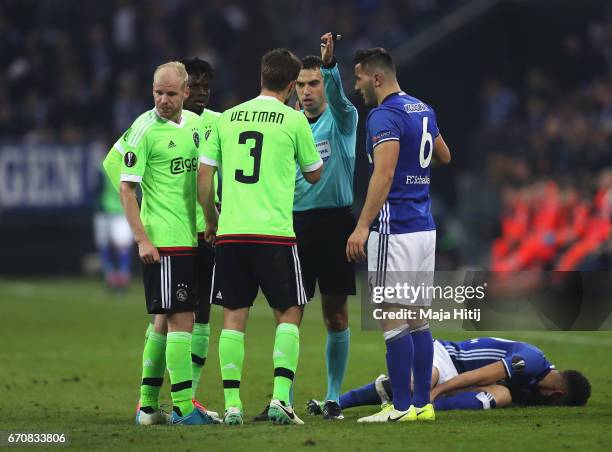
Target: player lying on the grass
point(485, 373)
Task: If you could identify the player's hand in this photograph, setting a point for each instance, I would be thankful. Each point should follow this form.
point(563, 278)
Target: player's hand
point(210, 233)
point(355, 247)
point(327, 48)
point(147, 252)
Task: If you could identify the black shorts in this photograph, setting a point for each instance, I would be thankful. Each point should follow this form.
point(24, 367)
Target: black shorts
point(321, 238)
point(206, 276)
point(242, 268)
point(170, 286)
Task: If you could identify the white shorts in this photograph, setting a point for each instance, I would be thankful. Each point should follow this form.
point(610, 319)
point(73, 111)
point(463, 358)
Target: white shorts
point(112, 229)
point(443, 362)
point(403, 259)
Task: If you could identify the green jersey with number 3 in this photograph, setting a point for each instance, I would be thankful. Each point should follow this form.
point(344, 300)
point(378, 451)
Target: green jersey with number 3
point(257, 144)
point(162, 156)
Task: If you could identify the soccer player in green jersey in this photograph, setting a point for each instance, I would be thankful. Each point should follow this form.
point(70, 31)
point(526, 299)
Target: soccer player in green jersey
point(160, 152)
point(200, 77)
point(257, 144)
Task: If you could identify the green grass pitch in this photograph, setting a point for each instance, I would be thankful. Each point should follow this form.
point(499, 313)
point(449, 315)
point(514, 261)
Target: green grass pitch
point(70, 361)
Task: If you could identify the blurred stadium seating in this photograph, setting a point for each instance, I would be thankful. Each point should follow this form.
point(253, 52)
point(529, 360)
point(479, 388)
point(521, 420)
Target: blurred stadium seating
point(526, 109)
point(548, 148)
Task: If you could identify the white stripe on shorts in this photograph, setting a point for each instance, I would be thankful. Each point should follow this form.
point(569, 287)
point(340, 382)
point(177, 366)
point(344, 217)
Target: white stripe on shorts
point(212, 285)
point(166, 282)
point(301, 294)
point(169, 286)
point(162, 278)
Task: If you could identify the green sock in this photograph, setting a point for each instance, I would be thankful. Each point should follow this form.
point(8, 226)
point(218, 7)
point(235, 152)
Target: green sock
point(199, 351)
point(149, 330)
point(153, 369)
point(178, 357)
point(285, 357)
point(231, 357)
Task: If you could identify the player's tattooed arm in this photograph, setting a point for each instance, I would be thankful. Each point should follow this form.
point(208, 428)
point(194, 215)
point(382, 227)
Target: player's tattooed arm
point(385, 161)
point(483, 376)
point(441, 153)
point(146, 250)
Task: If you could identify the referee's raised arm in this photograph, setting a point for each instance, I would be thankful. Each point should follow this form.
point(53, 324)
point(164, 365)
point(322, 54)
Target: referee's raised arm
point(343, 111)
point(322, 213)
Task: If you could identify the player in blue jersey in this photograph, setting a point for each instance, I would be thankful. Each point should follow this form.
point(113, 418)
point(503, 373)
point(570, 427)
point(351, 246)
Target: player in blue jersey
point(485, 373)
point(402, 139)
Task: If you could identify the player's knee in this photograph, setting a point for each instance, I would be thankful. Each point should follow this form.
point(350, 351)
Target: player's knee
point(396, 333)
point(290, 315)
point(335, 317)
point(180, 321)
point(417, 326)
point(235, 319)
point(336, 323)
point(160, 324)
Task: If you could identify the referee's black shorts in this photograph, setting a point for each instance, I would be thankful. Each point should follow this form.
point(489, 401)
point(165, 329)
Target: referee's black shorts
point(321, 238)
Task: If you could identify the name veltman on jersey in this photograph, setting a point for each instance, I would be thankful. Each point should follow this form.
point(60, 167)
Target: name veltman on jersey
point(162, 156)
point(403, 118)
point(257, 144)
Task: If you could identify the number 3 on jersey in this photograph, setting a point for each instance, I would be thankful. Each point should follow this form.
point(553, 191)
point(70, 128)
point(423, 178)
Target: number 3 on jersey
point(255, 153)
point(425, 138)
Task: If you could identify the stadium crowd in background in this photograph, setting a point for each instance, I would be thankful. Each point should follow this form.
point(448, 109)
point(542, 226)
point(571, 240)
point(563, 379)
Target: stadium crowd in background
point(73, 70)
point(549, 154)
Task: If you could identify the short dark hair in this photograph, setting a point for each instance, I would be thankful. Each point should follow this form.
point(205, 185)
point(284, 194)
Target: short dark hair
point(279, 67)
point(374, 57)
point(578, 388)
point(312, 62)
point(196, 67)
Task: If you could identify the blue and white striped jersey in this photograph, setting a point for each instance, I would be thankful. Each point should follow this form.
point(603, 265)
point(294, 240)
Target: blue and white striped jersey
point(525, 364)
point(403, 118)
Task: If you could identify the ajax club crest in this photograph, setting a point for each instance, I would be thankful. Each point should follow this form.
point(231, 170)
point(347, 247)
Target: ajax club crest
point(196, 138)
point(181, 292)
